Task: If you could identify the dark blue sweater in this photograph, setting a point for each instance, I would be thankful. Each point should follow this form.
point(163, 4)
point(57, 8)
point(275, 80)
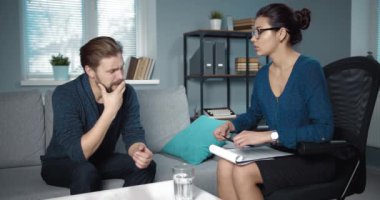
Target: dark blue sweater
point(76, 112)
point(302, 112)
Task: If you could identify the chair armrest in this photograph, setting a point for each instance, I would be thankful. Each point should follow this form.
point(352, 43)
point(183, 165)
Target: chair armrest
point(337, 148)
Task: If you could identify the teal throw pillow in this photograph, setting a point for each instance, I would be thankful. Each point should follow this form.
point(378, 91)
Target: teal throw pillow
point(192, 143)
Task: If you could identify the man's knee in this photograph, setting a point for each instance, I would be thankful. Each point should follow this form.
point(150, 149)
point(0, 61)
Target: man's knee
point(85, 178)
point(141, 176)
point(151, 169)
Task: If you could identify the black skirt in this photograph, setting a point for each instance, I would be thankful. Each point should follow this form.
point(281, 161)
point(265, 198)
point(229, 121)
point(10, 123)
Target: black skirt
point(295, 171)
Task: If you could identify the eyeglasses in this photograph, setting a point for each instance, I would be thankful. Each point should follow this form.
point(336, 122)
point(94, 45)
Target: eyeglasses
point(258, 31)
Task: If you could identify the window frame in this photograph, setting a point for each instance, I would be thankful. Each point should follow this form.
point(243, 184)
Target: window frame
point(145, 37)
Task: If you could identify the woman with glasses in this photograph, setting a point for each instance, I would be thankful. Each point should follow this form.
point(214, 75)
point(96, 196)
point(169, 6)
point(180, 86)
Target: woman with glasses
point(290, 93)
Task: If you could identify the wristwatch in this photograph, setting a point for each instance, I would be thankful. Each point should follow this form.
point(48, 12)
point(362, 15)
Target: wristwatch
point(274, 136)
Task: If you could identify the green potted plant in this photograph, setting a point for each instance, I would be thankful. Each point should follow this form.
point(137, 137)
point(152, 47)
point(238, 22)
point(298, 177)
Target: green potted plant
point(60, 65)
point(216, 20)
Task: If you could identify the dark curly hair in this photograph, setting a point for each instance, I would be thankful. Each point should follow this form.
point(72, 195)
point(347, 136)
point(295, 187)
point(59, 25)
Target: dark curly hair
point(280, 15)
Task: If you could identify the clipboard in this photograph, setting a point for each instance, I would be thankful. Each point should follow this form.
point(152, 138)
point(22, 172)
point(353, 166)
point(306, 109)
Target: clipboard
point(247, 155)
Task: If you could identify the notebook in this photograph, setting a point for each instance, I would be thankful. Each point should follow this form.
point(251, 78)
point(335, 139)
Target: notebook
point(246, 155)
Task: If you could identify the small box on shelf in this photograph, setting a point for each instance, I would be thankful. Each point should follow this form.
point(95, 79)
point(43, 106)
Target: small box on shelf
point(223, 113)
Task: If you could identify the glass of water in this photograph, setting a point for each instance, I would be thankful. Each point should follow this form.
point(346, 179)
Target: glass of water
point(183, 176)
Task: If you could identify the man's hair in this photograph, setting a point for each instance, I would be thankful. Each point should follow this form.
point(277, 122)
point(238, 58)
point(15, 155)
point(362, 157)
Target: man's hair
point(98, 48)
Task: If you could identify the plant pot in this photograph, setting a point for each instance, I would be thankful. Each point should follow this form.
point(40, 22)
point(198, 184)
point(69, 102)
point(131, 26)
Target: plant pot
point(61, 72)
point(215, 24)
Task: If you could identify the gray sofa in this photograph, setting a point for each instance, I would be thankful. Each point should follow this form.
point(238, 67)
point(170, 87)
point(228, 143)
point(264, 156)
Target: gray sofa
point(26, 129)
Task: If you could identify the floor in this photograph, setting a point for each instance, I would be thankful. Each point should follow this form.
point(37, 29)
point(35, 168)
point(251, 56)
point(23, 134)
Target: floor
point(372, 191)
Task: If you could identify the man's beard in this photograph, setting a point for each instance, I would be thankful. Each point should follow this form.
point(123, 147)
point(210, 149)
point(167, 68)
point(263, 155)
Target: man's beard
point(112, 87)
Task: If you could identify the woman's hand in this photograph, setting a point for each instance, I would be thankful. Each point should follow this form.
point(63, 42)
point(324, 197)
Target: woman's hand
point(222, 131)
point(246, 138)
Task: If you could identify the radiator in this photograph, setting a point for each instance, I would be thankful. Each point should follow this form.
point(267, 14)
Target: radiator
point(374, 129)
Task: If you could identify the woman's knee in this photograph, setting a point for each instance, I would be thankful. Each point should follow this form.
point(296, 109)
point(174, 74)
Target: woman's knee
point(224, 169)
point(247, 172)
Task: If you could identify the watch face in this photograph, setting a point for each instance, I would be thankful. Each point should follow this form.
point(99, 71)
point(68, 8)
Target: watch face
point(274, 135)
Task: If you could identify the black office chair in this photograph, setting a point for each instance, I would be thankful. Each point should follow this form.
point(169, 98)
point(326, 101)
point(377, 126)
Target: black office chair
point(353, 85)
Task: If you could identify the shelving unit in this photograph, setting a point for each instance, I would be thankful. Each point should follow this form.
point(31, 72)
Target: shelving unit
point(55, 82)
point(227, 35)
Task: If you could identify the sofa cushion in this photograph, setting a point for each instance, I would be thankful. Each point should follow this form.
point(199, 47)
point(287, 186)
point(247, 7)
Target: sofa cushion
point(48, 116)
point(22, 138)
point(26, 183)
point(163, 113)
point(192, 143)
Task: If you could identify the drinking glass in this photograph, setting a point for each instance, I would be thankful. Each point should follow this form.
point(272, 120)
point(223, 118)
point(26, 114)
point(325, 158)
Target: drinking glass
point(183, 176)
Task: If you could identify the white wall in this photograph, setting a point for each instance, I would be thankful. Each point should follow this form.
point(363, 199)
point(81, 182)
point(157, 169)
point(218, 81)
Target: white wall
point(364, 38)
point(363, 27)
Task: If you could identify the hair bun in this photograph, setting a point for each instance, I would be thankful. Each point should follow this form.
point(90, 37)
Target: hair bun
point(303, 18)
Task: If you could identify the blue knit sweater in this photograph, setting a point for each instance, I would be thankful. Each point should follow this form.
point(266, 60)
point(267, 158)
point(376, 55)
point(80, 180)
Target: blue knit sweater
point(76, 112)
point(302, 112)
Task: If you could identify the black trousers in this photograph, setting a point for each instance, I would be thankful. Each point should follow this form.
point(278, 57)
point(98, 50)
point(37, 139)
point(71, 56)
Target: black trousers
point(85, 176)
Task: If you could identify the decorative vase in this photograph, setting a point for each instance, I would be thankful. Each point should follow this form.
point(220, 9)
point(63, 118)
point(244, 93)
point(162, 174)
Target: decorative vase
point(216, 24)
point(61, 72)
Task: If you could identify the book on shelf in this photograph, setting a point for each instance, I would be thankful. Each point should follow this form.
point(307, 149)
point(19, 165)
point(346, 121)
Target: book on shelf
point(243, 60)
point(246, 155)
point(140, 68)
point(244, 65)
point(148, 75)
point(223, 113)
point(241, 64)
point(132, 67)
point(244, 24)
point(244, 68)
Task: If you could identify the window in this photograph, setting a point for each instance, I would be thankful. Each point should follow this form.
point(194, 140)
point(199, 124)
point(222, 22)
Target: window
point(56, 26)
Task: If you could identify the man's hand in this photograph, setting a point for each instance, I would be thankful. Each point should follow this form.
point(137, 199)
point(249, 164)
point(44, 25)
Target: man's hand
point(141, 155)
point(112, 101)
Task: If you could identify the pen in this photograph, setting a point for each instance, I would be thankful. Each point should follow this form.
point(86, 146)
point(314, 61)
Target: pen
point(229, 138)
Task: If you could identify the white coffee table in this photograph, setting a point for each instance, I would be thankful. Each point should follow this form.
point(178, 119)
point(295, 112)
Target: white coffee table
point(154, 191)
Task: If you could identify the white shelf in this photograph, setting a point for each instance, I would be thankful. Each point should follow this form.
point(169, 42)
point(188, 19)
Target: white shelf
point(143, 82)
point(40, 82)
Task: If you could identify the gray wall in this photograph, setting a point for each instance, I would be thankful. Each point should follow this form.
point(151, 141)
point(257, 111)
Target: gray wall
point(327, 39)
point(10, 49)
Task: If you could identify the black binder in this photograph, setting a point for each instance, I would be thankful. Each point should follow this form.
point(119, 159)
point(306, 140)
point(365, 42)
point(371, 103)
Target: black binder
point(220, 57)
point(195, 60)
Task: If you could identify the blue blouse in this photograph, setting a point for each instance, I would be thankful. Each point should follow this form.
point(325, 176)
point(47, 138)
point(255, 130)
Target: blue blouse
point(301, 113)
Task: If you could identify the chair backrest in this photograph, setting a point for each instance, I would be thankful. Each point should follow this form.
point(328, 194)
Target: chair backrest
point(353, 85)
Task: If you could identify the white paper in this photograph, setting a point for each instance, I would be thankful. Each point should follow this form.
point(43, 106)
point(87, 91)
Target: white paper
point(223, 153)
